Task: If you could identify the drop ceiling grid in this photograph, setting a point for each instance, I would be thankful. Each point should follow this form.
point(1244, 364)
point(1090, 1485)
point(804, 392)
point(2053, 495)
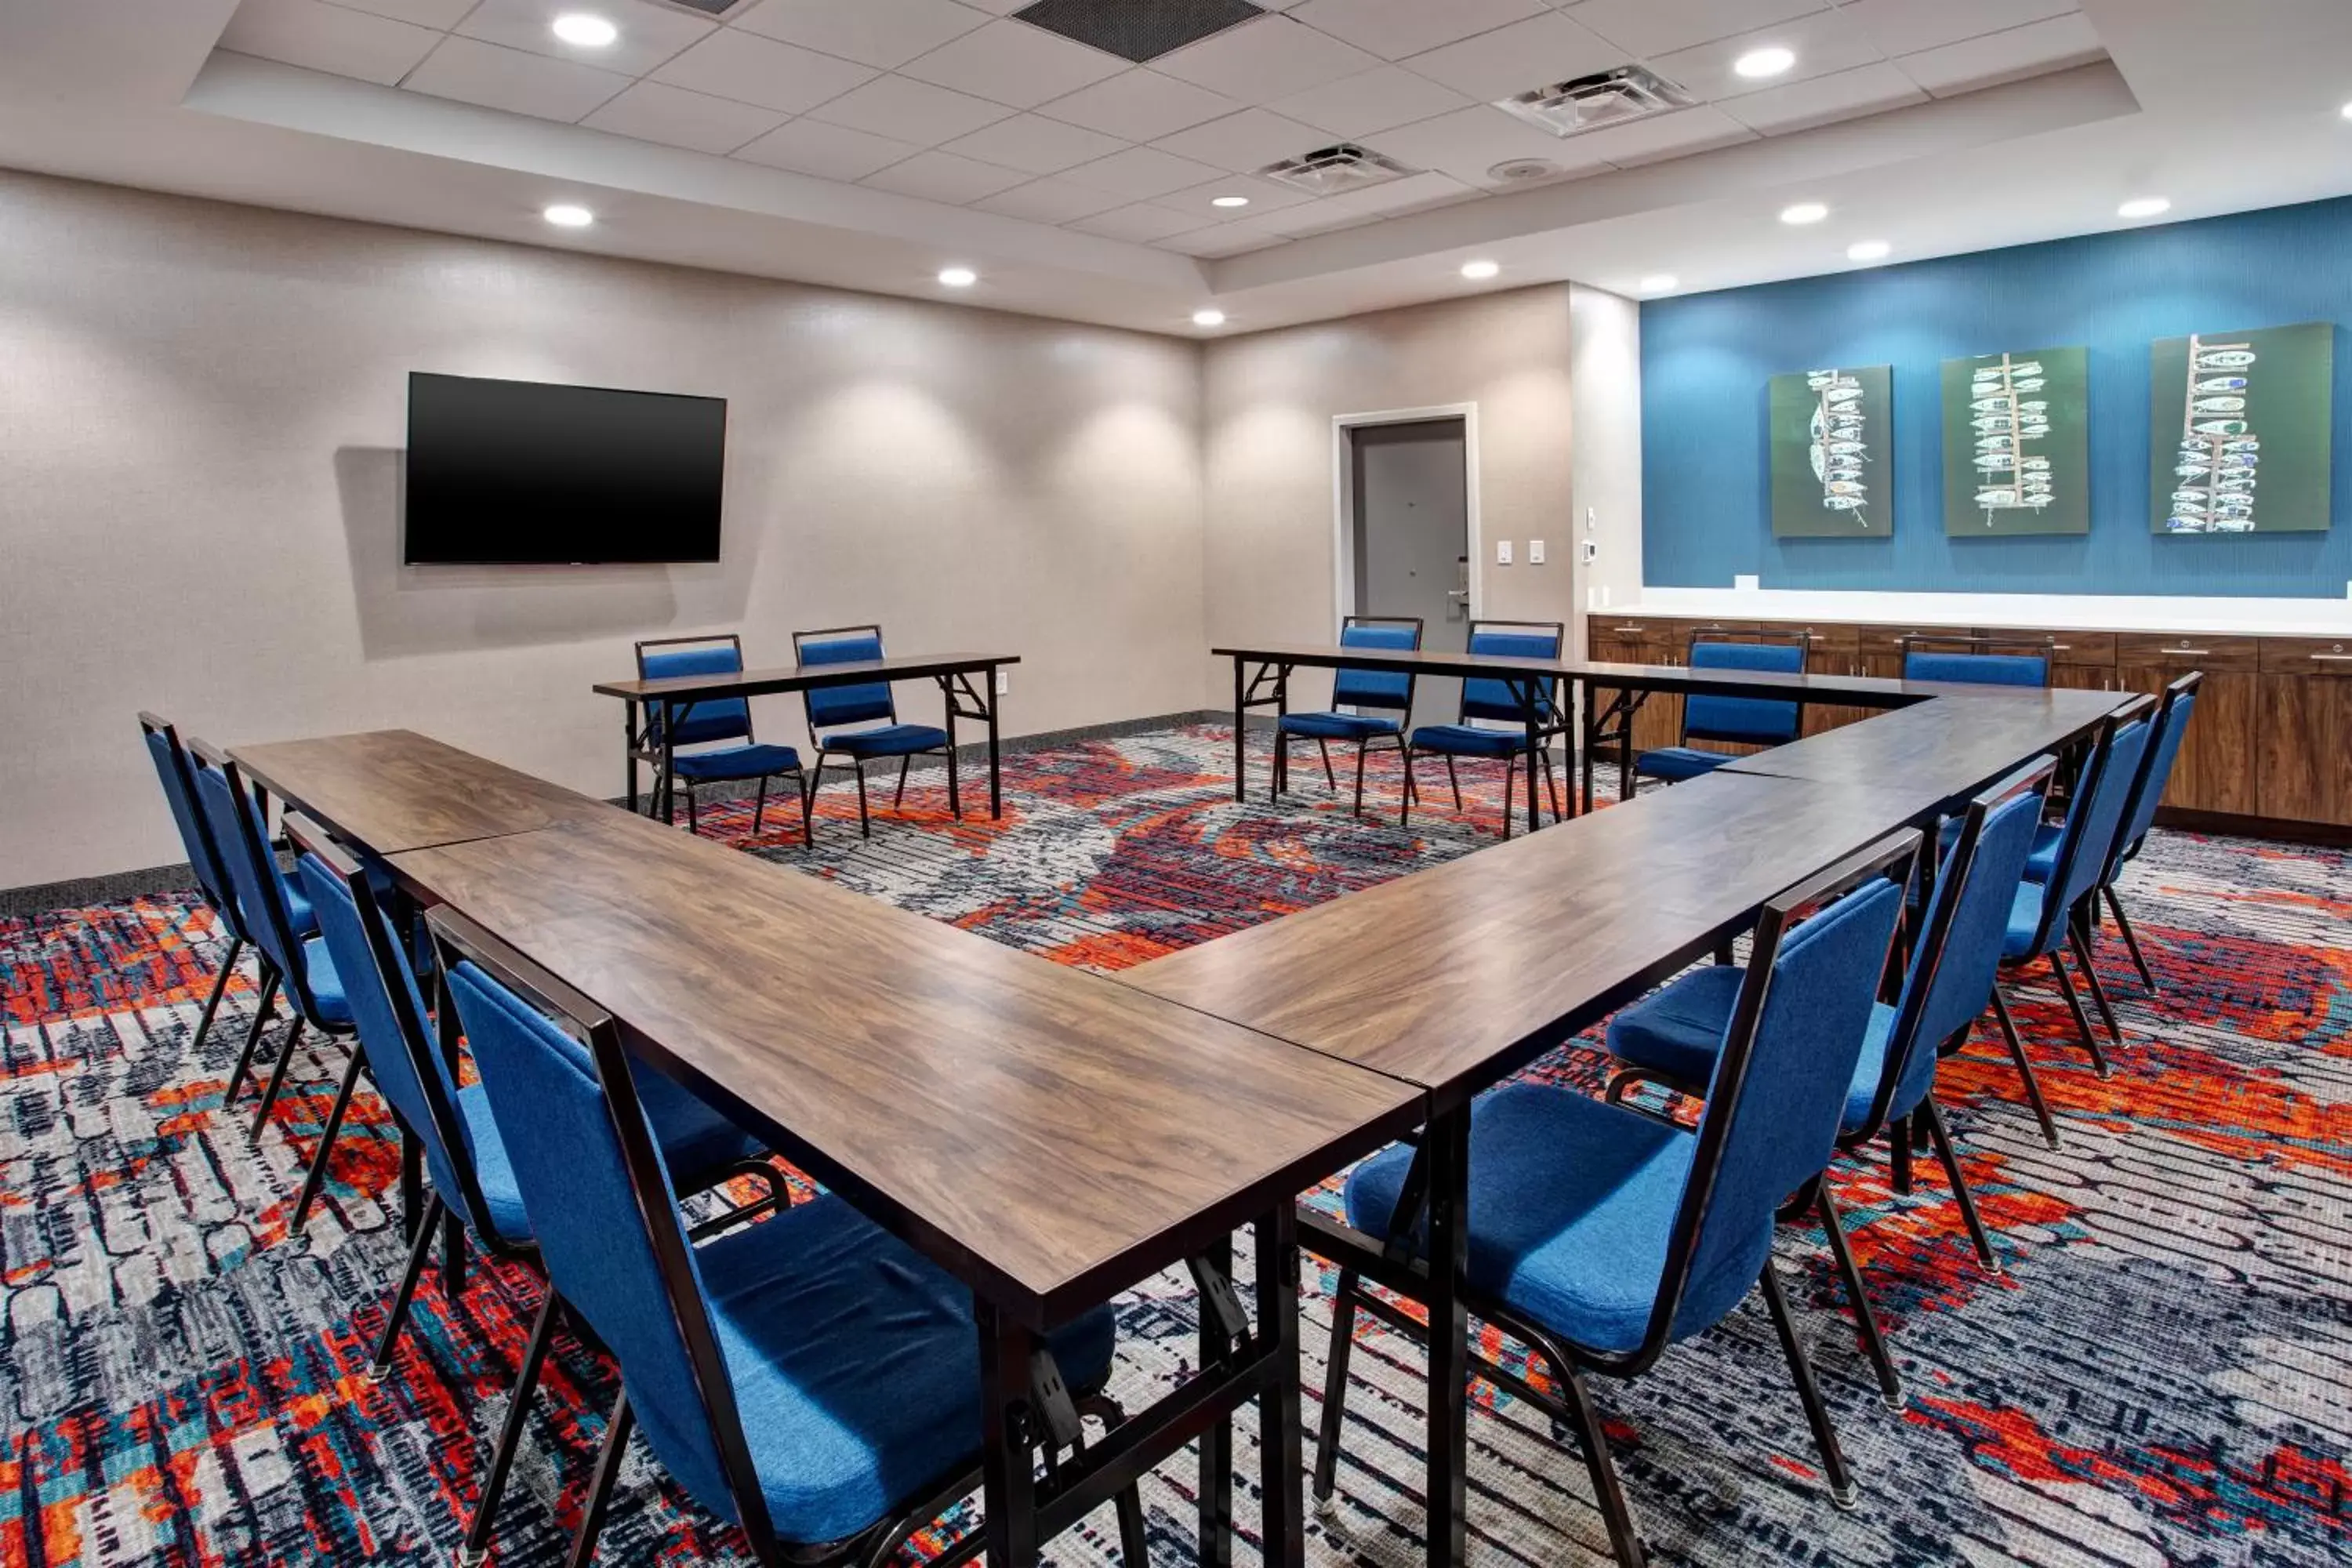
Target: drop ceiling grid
point(956, 102)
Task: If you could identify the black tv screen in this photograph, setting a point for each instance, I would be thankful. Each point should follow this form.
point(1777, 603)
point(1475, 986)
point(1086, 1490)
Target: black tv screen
point(513, 472)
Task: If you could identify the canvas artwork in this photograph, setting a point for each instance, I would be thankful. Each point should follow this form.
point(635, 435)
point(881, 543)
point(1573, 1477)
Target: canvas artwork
point(2240, 431)
point(2017, 443)
point(1829, 435)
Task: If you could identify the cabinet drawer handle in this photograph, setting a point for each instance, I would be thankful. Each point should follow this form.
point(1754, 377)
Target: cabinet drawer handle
point(2061, 647)
point(2332, 658)
point(1634, 631)
point(2191, 652)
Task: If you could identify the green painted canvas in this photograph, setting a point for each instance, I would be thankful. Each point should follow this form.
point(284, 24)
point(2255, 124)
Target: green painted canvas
point(2238, 431)
point(2017, 443)
point(1830, 434)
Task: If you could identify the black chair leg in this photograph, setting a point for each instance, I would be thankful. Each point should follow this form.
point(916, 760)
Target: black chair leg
point(253, 1035)
point(1456, 780)
point(864, 818)
point(1624, 1538)
point(277, 1077)
point(2082, 1020)
point(1335, 1386)
point(317, 1178)
point(1331, 779)
point(1510, 774)
point(1552, 784)
point(1362, 751)
point(1817, 1414)
point(1942, 1136)
point(1405, 807)
point(2079, 938)
point(494, 1482)
point(418, 1251)
point(2024, 1068)
point(808, 811)
point(900, 799)
point(1134, 1541)
point(1874, 1344)
point(600, 1486)
point(760, 809)
point(2131, 942)
point(1898, 1161)
point(220, 988)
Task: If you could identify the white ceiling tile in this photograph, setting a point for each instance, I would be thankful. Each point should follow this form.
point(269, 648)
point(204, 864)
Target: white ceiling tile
point(2025, 51)
point(911, 112)
point(1140, 222)
point(1822, 45)
point(1142, 173)
point(440, 14)
point(1397, 196)
point(884, 33)
point(1525, 55)
point(1035, 145)
point(322, 37)
point(1140, 106)
point(1014, 63)
point(475, 72)
point(1050, 200)
point(649, 33)
point(1470, 142)
point(1225, 240)
point(944, 177)
point(1647, 27)
point(674, 117)
point(1250, 140)
point(828, 152)
point(1260, 61)
point(1865, 90)
point(1370, 101)
point(1906, 27)
point(1264, 197)
point(759, 71)
point(1395, 28)
point(1676, 135)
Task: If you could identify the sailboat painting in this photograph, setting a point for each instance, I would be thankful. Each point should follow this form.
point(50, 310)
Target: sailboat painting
point(2240, 431)
point(2017, 443)
point(1829, 433)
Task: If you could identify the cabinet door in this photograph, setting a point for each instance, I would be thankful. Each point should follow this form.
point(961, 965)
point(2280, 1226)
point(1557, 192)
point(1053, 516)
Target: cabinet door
point(1882, 647)
point(1629, 641)
point(2217, 768)
point(2304, 770)
point(2081, 661)
point(1833, 651)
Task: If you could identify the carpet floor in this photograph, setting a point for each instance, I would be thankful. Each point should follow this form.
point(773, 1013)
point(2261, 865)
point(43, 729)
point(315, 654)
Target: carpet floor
point(2161, 1375)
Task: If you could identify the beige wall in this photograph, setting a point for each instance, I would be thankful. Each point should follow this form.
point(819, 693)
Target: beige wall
point(201, 408)
point(1268, 404)
point(1605, 379)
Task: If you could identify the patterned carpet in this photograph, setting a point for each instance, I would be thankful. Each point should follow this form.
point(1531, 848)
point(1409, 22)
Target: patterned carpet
point(2164, 1375)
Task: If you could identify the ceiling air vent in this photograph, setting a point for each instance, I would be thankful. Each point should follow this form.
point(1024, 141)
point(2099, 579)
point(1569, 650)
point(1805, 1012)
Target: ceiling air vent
point(1137, 31)
point(1330, 171)
point(1590, 102)
point(704, 7)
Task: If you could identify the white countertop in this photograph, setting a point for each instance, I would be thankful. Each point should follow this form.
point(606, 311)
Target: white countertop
point(2082, 612)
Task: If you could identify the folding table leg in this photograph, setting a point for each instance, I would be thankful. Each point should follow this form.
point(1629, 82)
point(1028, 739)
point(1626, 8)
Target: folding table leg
point(1282, 1519)
point(1008, 1466)
point(1217, 1479)
point(1449, 1336)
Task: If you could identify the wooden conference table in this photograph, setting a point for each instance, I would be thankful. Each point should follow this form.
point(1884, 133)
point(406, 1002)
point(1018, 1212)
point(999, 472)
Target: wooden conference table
point(953, 671)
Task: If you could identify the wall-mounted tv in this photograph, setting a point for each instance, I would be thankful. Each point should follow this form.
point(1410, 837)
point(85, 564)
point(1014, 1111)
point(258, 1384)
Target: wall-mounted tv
point(520, 472)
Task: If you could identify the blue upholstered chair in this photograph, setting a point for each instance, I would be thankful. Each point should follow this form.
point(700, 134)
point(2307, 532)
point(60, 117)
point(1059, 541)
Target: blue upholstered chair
point(811, 1380)
point(171, 769)
point(457, 1139)
point(1978, 661)
point(1598, 1237)
point(1740, 720)
point(718, 729)
point(1362, 701)
point(830, 708)
point(1674, 1035)
point(1493, 699)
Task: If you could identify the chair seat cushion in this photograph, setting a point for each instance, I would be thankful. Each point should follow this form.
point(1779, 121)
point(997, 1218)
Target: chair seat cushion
point(2042, 862)
point(492, 1170)
point(1679, 1031)
point(890, 740)
point(300, 916)
point(1572, 1204)
point(326, 986)
point(856, 1370)
point(736, 762)
point(1339, 726)
point(2024, 917)
point(1467, 740)
point(1678, 762)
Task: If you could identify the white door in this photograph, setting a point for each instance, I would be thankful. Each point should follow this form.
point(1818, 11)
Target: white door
point(1411, 539)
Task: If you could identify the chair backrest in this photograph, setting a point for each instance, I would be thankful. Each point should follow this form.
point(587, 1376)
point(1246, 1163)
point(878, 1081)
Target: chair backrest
point(831, 706)
point(1778, 1093)
point(1978, 661)
point(706, 719)
point(179, 782)
point(234, 815)
point(603, 1207)
point(2155, 768)
point(1488, 697)
point(1745, 719)
point(2094, 816)
point(1353, 688)
point(1957, 960)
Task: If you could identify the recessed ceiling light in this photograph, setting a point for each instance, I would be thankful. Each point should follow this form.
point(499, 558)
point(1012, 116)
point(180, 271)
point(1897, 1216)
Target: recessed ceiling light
point(1479, 271)
point(1209, 316)
point(1229, 201)
point(1805, 212)
point(1867, 250)
point(2347, 111)
point(958, 277)
point(565, 214)
point(578, 28)
point(1758, 63)
point(1660, 283)
point(2145, 206)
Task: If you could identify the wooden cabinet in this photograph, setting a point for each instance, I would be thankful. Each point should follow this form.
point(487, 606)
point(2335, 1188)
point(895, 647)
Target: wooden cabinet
point(2304, 772)
point(2083, 661)
point(1881, 648)
point(1641, 640)
point(2216, 770)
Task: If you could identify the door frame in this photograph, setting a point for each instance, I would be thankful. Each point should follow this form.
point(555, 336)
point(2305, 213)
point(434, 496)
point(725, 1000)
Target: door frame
point(1343, 491)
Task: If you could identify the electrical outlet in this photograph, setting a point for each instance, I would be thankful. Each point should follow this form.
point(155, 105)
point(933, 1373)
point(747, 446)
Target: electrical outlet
point(1535, 552)
point(1591, 551)
point(1502, 552)
point(1003, 681)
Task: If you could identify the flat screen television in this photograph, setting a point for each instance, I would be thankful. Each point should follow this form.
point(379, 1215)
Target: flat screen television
point(520, 472)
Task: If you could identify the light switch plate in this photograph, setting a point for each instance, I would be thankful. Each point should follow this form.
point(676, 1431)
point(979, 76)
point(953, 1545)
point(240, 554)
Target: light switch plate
point(1535, 552)
point(1003, 681)
point(1743, 582)
point(1502, 552)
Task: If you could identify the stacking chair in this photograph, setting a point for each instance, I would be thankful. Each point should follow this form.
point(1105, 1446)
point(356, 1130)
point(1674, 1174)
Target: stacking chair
point(1598, 1237)
point(1978, 661)
point(1740, 720)
point(179, 782)
point(1357, 691)
point(473, 1181)
point(811, 1380)
point(831, 706)
point(708, 724)
point(1674, 1036)
point(1491, 698)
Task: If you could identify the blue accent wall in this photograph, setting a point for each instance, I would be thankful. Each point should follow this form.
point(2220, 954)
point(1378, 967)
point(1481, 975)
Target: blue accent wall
point(1706, 491)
